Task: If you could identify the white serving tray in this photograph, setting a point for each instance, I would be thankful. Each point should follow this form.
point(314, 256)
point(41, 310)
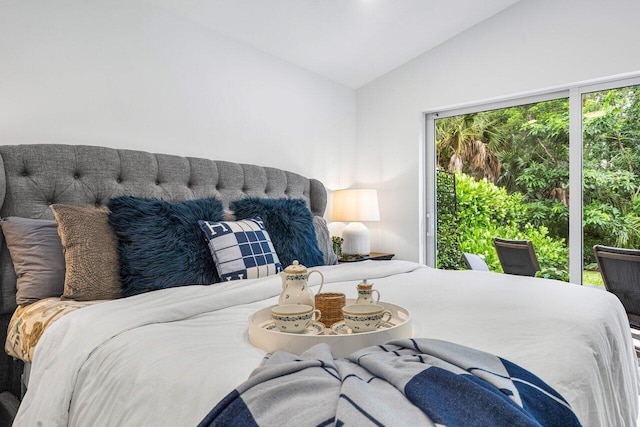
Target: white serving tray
point(341, 345)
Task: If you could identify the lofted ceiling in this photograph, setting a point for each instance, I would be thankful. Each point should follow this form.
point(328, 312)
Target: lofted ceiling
point(349, 41)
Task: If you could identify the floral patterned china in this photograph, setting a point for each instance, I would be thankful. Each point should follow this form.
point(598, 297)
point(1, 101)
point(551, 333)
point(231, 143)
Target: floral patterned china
point(313, 328)
point(341, 328)
point(294, 318)
point(365, 317)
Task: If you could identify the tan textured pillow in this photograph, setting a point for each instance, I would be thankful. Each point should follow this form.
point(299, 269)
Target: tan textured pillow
point(90, 253)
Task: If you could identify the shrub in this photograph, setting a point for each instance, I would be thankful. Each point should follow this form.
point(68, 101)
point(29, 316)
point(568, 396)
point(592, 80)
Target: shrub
point(486, 211)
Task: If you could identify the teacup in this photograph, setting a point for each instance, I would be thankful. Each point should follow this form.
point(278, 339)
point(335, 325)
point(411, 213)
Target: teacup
point(365, 317)
point(294, 318)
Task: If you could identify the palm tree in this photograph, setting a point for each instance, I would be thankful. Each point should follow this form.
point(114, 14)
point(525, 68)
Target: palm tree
point(460, 146)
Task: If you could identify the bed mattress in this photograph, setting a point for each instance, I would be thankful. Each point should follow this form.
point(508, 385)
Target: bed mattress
point(102, 364)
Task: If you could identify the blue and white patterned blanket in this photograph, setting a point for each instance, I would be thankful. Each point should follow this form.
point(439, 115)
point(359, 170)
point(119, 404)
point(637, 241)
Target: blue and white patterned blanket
point(404, 382)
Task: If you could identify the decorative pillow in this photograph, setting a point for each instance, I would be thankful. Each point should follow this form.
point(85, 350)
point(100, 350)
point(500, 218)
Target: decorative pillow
point(160, 244)
point(37, 256)
point(90, 255)
point(28, 323)
point(241, 249)
point(324, 240)
point(290, 225)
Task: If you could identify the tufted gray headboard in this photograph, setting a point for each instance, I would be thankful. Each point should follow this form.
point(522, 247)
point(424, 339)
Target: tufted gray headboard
point(32, 177)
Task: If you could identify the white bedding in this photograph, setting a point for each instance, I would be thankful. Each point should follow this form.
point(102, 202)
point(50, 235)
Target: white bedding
point(166, 358)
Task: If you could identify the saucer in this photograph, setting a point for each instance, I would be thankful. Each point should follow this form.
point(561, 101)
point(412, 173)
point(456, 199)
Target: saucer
point(341, 328)
point(314, 328)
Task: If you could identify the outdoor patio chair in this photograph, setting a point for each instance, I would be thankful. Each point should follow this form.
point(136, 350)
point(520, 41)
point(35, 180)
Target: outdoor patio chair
point(517, 256)
point(620, 270)
point(474, 262)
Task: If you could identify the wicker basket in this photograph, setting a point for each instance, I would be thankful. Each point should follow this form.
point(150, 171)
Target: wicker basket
point(330, 305)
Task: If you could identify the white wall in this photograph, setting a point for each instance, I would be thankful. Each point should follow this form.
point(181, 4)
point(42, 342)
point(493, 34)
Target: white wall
point(127, 75)
point(533, 45)
point(124, 74)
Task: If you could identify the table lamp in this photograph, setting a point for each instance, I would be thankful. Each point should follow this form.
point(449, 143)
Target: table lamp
point(355, 206)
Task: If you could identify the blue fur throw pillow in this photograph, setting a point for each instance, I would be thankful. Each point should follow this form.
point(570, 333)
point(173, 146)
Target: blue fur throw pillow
point(290, 225)
point(160, 244)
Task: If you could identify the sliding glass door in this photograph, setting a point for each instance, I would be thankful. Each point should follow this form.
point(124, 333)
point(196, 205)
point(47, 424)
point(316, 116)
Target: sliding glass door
point(611, 172)
point(510, 174)
point(560, 169)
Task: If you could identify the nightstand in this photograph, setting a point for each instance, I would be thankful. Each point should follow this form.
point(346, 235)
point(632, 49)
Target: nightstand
point(376, 256)
point(380, 256)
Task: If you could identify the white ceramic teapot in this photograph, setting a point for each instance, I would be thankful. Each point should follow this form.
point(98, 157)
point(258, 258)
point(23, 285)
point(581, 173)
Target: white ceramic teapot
point(294, 285)
point(366, 292)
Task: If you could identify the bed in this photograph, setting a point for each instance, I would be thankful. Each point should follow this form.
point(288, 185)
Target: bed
point(166, 357)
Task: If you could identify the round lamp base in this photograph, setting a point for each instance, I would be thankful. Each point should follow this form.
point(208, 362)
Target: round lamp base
point(357, 239)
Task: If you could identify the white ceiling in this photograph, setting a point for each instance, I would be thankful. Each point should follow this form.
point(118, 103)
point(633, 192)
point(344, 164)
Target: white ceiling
point(349, 41)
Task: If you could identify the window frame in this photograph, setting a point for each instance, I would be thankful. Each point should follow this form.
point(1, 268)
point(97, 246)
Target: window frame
point(427, 169)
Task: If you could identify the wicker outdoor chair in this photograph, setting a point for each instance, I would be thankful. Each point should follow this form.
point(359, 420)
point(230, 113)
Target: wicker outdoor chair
point(517, 256)
point(474, 262)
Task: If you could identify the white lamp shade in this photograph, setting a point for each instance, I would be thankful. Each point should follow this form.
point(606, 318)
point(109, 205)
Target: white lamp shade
point(355, 205)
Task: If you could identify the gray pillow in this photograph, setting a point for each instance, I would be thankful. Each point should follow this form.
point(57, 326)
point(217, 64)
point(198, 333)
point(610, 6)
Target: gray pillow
point(37, 256)
point(324, 241)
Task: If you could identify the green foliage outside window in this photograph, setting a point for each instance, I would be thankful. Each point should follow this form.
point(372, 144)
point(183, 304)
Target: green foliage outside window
point(524, 151)
point(448, 252)
point(486, 211)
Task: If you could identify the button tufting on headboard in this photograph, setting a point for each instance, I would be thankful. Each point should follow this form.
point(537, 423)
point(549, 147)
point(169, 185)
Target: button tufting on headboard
point(53, 170)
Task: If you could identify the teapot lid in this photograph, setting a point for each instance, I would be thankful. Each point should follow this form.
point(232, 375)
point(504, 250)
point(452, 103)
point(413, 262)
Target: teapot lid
point(295, 268)
point(365, 285)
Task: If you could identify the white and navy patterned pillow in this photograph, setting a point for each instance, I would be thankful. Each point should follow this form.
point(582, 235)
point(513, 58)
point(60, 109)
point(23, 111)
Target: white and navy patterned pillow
point(241, 249)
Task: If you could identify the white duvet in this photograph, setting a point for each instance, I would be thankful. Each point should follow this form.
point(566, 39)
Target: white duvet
point(166, 358)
